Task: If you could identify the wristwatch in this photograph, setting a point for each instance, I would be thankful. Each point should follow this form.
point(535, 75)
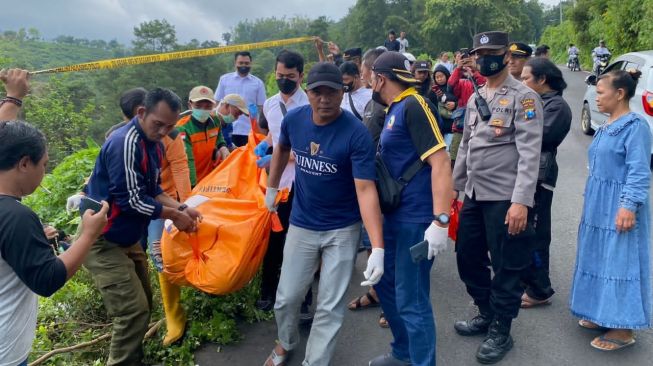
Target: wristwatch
point(182, 207)
point(442, 218)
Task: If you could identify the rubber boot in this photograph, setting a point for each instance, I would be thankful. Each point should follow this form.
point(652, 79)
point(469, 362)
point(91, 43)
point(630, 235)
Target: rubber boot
point(174, 312)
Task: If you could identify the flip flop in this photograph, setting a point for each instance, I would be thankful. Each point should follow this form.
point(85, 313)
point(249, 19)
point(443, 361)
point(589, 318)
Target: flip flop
point(591, 326)
point(617, 342)
point(383, 322)
point(277, 360)
point(358, 305)
point(528, 302)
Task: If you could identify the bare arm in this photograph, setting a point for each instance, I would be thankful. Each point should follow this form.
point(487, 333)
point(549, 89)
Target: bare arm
point(368, 202)
point(16, 85)
point(441, 183)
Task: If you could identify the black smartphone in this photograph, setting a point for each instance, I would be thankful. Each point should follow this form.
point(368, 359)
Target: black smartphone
point(89, 204)
point(419, 251)
point(464, 52)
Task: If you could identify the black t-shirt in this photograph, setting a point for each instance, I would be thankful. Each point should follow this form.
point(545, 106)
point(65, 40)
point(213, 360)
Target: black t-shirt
point(374, 119)
point(392, 45)
point(26, 250)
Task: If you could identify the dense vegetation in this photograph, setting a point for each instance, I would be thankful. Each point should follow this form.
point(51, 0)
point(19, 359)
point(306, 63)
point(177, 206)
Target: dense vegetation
point(74, 110)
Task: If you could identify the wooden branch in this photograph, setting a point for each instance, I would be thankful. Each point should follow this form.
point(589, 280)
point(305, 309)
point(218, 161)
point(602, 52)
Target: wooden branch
point(153, 328)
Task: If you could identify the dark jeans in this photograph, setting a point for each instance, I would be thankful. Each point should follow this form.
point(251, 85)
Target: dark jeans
point(239, 140)
point(482, 230)
point(536, 277)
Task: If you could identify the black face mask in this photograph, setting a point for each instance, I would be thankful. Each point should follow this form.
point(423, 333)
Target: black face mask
point(376, 96)
point(490, 65)
point(244, 70)
point(348, 87)
point(286, 86)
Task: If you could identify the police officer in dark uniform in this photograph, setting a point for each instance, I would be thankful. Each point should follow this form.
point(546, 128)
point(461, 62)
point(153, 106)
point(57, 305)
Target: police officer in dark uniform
point(497, 168)
point(520, 53)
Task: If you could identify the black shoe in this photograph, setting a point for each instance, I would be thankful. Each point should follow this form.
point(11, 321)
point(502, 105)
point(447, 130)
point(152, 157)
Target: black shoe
point(496, 345)
point(265, 304)
point(305, 315)
point(476, 326)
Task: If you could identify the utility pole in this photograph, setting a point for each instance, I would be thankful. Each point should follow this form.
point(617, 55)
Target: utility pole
point(560, 5)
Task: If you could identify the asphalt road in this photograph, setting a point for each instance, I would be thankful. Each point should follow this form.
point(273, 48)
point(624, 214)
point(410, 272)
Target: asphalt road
point(544, 336)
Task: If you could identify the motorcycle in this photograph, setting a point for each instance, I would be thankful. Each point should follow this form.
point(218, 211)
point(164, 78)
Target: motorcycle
point(573, 64)
point(604, 60)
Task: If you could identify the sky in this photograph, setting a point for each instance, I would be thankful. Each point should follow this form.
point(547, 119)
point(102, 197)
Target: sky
point(115, 19)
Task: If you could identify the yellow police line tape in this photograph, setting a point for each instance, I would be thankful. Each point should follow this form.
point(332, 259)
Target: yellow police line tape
point(170, 56)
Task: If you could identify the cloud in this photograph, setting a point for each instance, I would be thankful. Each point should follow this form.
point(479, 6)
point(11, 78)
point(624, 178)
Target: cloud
point(199, 19)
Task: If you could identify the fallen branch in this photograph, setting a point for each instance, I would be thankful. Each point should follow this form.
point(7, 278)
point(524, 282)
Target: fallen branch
point(153, 328)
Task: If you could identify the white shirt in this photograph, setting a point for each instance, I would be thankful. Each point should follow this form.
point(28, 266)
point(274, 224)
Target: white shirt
point(18, 308)
point(403, 44)
point(361, 97)
point(274, 116)
point(447, 64)
point(250, 88)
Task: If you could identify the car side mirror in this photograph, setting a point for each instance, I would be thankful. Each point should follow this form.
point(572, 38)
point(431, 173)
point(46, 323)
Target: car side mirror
point(590, 80)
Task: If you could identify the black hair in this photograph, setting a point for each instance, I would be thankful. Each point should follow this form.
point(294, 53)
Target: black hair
point(571, 45)
point(290, 59)
point(371, 55)
point(545, 68)
point(131, 99)
point(154, 96)
point(542, 50)
point(349, 68)
point(392, 32)
point(620, 79)
point(244, 54)
point(20, 139)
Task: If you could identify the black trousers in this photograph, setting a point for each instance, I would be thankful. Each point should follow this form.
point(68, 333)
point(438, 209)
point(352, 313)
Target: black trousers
point(482, 230)
point(536, 276)
point(239, 140)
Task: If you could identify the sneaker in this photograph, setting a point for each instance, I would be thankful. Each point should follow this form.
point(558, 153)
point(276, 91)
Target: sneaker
point(388, 360)
point(265, 304)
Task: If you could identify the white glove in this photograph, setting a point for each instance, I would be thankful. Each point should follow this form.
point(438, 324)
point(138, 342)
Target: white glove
point(437, 237)
point(270, 197)
point(374, 269)
point(73, 202)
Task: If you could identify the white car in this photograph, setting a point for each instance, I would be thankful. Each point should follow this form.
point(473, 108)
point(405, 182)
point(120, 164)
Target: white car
point(641, 103)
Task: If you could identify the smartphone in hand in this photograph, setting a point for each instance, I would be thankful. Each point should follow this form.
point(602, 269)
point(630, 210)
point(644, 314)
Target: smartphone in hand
point(419, 251)
point(89, 204)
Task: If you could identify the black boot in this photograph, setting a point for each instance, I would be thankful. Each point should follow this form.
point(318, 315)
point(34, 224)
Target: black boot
point(475, 326)
point(497, 342)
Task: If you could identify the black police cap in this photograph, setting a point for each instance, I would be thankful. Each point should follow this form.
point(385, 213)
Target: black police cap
point(520, 49)
point(490, 41)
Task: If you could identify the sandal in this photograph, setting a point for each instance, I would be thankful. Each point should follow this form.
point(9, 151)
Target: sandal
point(358, 304)
point(528, 302)
point(383, 322)
point(276, 359)
point(591, 326)
point(618, 343)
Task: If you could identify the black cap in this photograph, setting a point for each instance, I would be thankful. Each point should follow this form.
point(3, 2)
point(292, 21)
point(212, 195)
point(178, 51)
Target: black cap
point(490, 41)
point(422, 65)
point(353, 52)
point(324, 74)
point(394, 63)
point(520, 49)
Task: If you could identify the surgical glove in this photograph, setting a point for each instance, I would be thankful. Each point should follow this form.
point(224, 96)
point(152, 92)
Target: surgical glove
point(261, 149)
point(374, 269)
point(264, 162)
point(437, 237)
point(270, 199)
point(73, 202)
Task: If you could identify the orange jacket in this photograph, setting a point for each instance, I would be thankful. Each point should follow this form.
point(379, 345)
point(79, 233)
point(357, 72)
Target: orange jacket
point(201, 141)
point(175, 176)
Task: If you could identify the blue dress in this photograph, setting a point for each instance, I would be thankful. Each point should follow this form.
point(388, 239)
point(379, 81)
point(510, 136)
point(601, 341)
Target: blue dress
point(612, 279)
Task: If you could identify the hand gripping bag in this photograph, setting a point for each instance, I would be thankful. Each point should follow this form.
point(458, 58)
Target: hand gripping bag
point(228, 248)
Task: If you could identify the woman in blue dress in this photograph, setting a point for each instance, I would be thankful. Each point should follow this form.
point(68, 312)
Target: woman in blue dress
point(611, 290)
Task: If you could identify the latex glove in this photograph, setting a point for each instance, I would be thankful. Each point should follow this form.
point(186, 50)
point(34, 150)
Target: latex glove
point(264, 162)
point(73, 202)
point(374, 269)
point(261, 149)
point(437, 237)
point(270, 198)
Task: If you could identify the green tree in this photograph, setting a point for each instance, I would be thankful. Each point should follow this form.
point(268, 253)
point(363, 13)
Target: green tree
point(154, 36)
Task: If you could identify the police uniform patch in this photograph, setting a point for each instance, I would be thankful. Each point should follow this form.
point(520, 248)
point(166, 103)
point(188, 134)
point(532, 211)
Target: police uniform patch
point(391, 122)
point(496, 122)
point(498, 131)
point(504, 102)
point(529, 108)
